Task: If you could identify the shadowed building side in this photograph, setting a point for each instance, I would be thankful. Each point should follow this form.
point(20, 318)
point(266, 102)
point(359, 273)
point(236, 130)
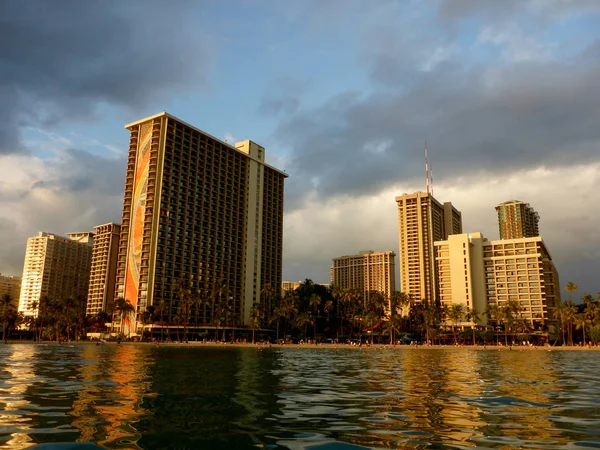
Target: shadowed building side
point(367, 271)
point(104, 267)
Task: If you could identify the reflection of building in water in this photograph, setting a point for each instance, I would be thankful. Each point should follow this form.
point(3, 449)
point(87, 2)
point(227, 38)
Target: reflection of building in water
point(521, 384)
point(110, 403)
point(18, 369)
point(437, 392)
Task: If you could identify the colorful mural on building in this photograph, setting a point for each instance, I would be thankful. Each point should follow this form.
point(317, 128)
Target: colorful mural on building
point(136, 227)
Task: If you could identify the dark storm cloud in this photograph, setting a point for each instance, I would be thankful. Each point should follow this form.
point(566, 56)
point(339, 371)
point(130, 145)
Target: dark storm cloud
point(521, 115)
point(60, 59)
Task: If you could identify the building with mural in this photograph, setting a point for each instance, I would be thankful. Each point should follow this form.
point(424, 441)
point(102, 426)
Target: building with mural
point(198, 211)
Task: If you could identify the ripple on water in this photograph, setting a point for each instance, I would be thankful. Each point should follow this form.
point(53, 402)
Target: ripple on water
point(147, 397)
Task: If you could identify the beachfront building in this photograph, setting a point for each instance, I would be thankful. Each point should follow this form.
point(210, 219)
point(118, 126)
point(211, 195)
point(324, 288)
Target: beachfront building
point(422, 220)
point(104, 268)
point(522, 270)
point(10, 286)
point(197, 210)
point(461, 273)
point(517, 219)
point(367, 271)
point(56, 268)
point(475, 272)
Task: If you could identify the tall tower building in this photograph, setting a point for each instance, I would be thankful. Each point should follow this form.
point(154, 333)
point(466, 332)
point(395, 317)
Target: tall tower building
point(195, 206)
point(104, 268)
point(55, 267)
point(11, 286)
point(421, 221)
point(517, 220)
point(367, 271)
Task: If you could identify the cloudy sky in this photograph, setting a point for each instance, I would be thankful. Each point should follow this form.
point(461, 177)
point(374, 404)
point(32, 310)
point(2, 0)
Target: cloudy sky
point(341, 93)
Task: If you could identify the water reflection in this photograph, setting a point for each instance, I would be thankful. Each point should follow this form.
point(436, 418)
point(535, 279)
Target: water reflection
point(132, 396)
point(113, 381)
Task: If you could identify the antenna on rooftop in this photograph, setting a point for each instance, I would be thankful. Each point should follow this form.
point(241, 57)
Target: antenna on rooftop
point(431, 177)
point(426, 167)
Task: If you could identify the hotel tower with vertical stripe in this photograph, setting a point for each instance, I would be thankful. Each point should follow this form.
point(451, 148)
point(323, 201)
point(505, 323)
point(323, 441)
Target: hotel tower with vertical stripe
point(196, 208)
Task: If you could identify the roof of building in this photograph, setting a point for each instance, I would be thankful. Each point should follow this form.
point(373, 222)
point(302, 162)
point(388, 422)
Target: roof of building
point(170, 116)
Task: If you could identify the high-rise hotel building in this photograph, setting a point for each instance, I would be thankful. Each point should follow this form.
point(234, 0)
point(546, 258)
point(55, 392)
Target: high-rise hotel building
point(421, 221)
point(104, 268)
point(367, 271)
point(56, 268)
point(475, 272)
point(517, 219)
point(195, 206)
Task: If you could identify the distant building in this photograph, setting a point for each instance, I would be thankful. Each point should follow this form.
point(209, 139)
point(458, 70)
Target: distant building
point(517, 219)
point(197, 210)
point(55, 267)
point(289, 286)
point(422, 220)
point(475, 272)
point(11, 286)
point(367, 271)
point(104, 268)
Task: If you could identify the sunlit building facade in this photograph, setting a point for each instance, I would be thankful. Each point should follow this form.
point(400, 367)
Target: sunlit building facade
point(461, 273)
point(104, 268)
point(422, 220)
point(10, 286)
point(56, 268)
point(475, 272)
point(287, 286)
point(195, 206)
point(522, 270)
point(367, 271)
point(517, 219)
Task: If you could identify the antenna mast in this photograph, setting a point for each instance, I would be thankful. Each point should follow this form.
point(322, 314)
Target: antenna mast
point(426, 167)
point(431, 177)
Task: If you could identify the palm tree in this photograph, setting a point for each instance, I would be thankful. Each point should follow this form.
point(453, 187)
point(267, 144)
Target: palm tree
point(472, 315)
point(161, 308)
point(338, 295)
point(267, 294)
point(569, 312)
point(493, 314)
point(431, 318)
point(559, 314)
point(376, 306)
point(455, 314)
point(581, 323)
point(570, 288)
point(314, 303)
point(288, 309)
point(327, 310)
point(186, 302)
point(303, 320)
point(123, 308)
point(255, 318)
point(6, 308)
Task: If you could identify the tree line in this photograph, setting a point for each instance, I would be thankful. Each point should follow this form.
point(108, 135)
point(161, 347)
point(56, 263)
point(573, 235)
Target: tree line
point(310, 312)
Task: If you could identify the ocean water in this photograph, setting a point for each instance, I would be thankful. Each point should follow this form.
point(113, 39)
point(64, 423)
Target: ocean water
point(145, 397)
